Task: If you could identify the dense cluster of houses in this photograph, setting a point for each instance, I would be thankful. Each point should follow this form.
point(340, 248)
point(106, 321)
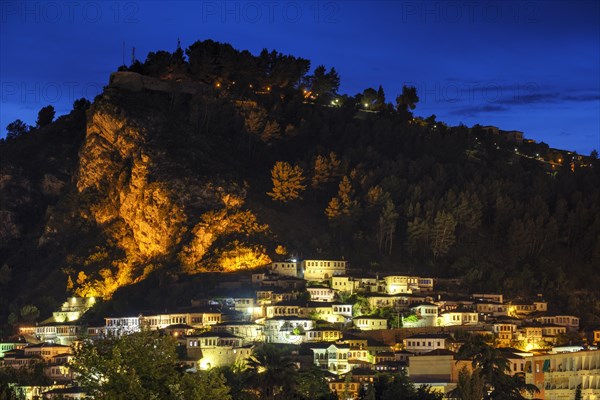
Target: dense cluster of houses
point(342, 322)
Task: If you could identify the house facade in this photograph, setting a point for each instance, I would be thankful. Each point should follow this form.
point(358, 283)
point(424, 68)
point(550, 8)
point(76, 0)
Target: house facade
point(370, 323)
point(321, 270)
point(332, 357)
point(424, 343)
point(558, 376)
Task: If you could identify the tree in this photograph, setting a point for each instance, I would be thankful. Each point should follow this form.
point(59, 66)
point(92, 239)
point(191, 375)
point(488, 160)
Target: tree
point(254, 120)
point(367, 392)
point(45, 116)
point(578, 395)
point(442, 234)
point(136, 366)
point(387, 225)
point(311, 384)
point(369, 97)
point(30, 313)
point(408, 99)
point(470, 386)
point(81, 104)
point(323, 84)
point(5, 275)
point(16, 128)
point(399, 386)
point(270, 132)
point(287, 182)
point(494, 370)
point(347, 382)
point(7, 392)
point(272, 372)
point(346, 196)
point(334, 209)
point(203, 385)
point(418, 232)
point(142, 366)
point(325, 169)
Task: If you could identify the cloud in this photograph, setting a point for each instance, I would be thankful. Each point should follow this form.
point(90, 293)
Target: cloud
point(582, 97)
point(476, 110)
point(533, 98)
point(550, 97)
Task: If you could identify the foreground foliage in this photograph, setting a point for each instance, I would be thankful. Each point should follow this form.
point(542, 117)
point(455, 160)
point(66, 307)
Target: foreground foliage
point(142, 366)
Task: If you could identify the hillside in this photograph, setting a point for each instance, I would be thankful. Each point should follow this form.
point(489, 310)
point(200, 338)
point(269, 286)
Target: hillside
point(167, 174)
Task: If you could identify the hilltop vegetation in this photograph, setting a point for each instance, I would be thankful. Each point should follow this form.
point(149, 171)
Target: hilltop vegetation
point(243, 155)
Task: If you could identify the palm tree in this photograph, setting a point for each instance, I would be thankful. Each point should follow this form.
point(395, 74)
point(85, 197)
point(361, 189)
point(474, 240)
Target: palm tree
point(494, 369)
point(272, 373)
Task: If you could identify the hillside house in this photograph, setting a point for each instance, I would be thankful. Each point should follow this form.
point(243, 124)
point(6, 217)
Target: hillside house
point(370, 323)
point(322, 270)
point(426, 342)
point(331, 356)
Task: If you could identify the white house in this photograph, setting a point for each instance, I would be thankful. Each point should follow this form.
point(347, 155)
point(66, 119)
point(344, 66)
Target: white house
point(117, 326)
point(343, 284)
point(370, 323)
point(504, 332)
point(333, 357)
point(551, 333)
point(323, 335)
point(401, 284)
point(321, 270)
point(424, 342)
point(491, 308)
point(287, 268)
point(321, 293)
point(458, 317)
point(287, 329)
point(58, 332)
point(46, 351)
point(493, 297)
point(569, 321)
point(328, 311)
point(216, 349)
point(250, 332)
point(427, 313)
point(283, 308)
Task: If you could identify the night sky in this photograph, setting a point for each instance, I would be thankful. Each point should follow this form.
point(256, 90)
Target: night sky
point(527, 65)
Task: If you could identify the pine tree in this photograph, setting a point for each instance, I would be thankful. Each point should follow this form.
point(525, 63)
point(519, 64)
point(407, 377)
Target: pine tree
point(321, 172)
point(325, 169)
point(270, 132)
point(334, 209)
point(443, 234)
point(346, 196)
point(287, 182)
point(387, 225)
point(418, 233)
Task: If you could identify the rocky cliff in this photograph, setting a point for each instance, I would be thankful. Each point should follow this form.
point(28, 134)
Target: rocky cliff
point(131, 202)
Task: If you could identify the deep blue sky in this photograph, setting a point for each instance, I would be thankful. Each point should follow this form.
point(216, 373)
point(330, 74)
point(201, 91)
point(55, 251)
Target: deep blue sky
point(528, 65)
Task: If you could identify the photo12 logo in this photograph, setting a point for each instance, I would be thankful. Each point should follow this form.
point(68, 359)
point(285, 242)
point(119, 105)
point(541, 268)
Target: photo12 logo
point(253, 12)
point(54, 12)
point(47, 92)
point(469, 12)
point(474, 92)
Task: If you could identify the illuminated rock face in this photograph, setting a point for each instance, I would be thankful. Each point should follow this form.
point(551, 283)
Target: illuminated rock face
point(152, 215)
point(115, 163)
